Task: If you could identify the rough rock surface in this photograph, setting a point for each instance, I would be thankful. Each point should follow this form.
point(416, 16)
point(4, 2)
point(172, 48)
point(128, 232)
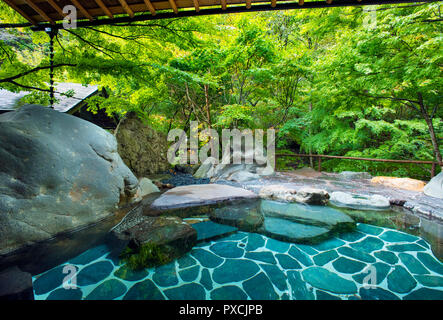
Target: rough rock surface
point(146, 187)
point(199, 194)
point(246, 216)
point(357, 201)
point(435, 187)
point(142, 149)
point(278, 192)
point(57, 173)
point(15, 285)
point(174, 236)
point(312, 196)
point(400, 183)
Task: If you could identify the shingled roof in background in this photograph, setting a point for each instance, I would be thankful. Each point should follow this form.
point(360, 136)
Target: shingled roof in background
point(10, 100)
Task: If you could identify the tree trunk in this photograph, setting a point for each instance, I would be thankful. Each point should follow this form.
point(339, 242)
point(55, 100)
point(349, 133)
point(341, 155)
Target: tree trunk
point(434, 140)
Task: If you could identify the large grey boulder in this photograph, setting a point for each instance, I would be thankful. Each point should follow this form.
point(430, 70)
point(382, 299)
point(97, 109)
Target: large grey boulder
point(435, 187)
point(359, 201)
point(57, 173)
point(142, 149)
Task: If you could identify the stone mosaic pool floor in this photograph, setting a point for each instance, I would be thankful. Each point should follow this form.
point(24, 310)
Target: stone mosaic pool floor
point(251, 266)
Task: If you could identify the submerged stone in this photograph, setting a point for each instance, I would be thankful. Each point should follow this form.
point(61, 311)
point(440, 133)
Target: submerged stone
point(368, 245)
point(370, 229)
point(396, 236)
point(377, 294)
point(400, 281)
point(94, 273)
point(63, 294)
point(300, 256)
point(323, 258)
point(90, 255)
point(206, 280)
point(189, 291)
point(381, 271)
point(228, 293)
point(287, 262)
point(329, 244)
point(165, 276)
point(299, 290)
point(260, 288)
point(186, 261)
point(189, 274)
point(49, 280)
point(412, 264)
point(108, 290)
point(320, 216)
point(245, 216)
point(209, 230)
point(405, 247)
point(430, 262)
point(321, 295)
point(255, 241)
point(207, 259)
point(345, 265)
point(234, 270)
point(355, 254)
point(430, 281)
point(277, 277)
point(277, 246)
point(351, 236)
point(263, 256)
point(285, 230)
point(324, 279)
point(386, 256)
point(227, 250)
point(126, 273)
point(425, 294)
point(145, 290)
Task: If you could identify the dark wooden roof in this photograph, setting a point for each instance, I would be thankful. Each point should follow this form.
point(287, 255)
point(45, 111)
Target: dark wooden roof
point(38, 11)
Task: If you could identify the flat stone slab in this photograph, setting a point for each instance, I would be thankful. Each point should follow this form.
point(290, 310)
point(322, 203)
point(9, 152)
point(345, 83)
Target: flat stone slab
point(199, 195)
point(359, 201)
point(285, 230)
point(209, 230)
point(320, 216)
point(246, 216)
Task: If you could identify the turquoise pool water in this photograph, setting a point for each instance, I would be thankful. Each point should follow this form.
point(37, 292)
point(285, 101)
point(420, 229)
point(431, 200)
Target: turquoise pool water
point(252, 266)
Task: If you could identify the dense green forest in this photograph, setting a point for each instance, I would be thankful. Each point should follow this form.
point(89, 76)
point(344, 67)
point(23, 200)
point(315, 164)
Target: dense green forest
point(329, 81)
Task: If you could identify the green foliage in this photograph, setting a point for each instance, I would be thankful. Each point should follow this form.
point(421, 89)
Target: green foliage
point(326, 80)
point(146, 256)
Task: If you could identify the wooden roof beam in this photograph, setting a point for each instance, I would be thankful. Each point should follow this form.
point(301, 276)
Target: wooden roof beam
point(150, 7)
point(173, 6)
point(56, 7)
point(39, 11)
point(196, 5)
point(223, 4)
point(22, 13)
point(82, 9)
point(126, 7)
point(104, 8)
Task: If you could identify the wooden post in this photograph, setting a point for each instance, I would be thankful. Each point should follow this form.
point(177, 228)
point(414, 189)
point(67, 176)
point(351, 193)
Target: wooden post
point(319, 164)
point(433, 170)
